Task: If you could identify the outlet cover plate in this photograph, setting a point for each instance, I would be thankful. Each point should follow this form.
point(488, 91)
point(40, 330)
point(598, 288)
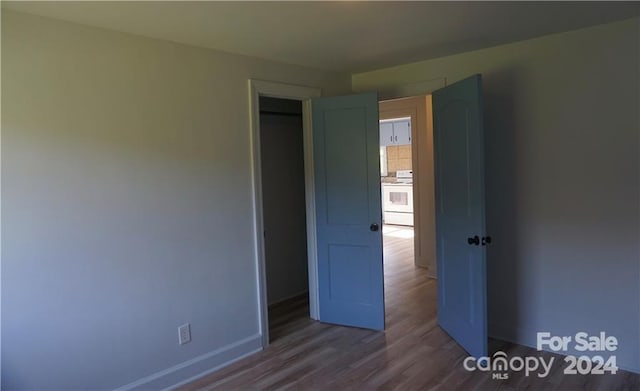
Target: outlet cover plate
point(184, 334)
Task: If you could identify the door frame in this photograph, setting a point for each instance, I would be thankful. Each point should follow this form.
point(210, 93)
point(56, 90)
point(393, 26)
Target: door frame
point(258, 88)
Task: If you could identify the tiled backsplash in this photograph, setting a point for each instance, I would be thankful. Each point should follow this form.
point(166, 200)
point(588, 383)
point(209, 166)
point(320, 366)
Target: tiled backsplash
point(398, 158)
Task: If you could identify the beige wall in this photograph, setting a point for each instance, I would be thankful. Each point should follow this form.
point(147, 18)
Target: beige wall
point(126, 184)
point(562, 179)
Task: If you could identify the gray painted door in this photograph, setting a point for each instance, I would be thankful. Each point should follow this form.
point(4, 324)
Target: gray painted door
point(460, 224)
point(348, 210)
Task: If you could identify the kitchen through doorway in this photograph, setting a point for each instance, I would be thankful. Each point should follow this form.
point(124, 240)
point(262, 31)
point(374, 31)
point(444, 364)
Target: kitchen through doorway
point(407, 184)
point(396, 181)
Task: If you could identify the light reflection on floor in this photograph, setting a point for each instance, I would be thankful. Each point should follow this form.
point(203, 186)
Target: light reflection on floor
point(397, 231)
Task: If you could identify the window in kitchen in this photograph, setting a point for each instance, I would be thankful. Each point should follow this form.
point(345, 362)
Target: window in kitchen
point(383, 161)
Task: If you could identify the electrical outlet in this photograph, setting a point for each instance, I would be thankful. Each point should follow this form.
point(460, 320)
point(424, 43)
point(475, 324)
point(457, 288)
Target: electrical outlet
point(184, 334)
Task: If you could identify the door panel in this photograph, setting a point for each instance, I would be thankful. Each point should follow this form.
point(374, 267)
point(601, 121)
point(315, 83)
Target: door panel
point(459, 177)
point(347, 186)
point(345, 166)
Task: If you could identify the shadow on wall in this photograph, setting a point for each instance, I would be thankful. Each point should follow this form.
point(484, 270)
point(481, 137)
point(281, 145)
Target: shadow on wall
point(500, 92)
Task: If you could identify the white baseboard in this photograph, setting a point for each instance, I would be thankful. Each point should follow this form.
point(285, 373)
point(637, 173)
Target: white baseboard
point(197, 367)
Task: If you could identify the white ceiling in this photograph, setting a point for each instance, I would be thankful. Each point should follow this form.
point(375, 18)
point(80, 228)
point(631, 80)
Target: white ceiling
point(340, 36)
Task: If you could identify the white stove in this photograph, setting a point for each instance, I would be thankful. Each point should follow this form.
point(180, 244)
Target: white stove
point(404, 176)
point(397, 199)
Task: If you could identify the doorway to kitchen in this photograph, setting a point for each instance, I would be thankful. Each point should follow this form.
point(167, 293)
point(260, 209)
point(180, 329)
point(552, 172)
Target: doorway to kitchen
point(396, 181)
point(407, 185)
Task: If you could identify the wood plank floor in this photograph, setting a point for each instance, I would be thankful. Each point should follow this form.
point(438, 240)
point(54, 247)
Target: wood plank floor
point(413, 353)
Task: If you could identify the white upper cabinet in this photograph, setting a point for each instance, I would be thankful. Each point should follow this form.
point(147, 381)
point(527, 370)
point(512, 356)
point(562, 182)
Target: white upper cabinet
point(402, 132)
point(386, 133)
point(396, 132)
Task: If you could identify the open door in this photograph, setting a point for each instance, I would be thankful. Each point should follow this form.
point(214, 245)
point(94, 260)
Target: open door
point(348, 212)
point(460, 224)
